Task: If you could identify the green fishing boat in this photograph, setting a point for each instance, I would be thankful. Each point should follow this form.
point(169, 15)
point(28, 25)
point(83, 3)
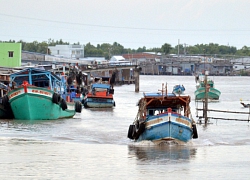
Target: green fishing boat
point(212, 92)
point(40, 95)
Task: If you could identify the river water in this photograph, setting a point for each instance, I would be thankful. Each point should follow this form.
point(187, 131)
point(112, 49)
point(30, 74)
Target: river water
point(94, 144)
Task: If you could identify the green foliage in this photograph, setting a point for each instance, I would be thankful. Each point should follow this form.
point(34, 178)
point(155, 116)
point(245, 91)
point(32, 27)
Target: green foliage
point(244, 51)
point(108, 50)
point(165, 48)
point(212, 49)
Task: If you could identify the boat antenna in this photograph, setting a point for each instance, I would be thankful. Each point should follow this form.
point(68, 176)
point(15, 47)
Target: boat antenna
point(166, 88)
point(162, 90)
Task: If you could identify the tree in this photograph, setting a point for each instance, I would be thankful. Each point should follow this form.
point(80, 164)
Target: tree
point(166, 48)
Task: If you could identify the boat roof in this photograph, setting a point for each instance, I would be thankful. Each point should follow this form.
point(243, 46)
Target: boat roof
point(103, 86)
point(159, 100)
point(158, 94)
point(32, 73)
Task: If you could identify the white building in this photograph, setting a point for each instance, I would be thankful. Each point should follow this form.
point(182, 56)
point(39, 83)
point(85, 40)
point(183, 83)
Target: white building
point(67, 51)
point(119, 60)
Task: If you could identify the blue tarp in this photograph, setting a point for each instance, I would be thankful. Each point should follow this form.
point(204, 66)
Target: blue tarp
point(158, 95)
point(103, 86)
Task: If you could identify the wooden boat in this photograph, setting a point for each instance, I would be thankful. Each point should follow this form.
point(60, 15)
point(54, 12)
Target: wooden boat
point(178, 89)
point(40, 95)
point(163, 117)
point(5, 109)
point(100, 96)
point(212, 92)
point(74, 94)
point(245, 105)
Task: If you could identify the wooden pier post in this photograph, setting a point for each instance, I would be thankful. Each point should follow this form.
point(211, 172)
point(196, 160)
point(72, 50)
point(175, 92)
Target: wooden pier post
point(206, 98)
point(137, 77)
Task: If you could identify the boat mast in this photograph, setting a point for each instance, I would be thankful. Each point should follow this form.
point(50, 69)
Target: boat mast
point(166, 88)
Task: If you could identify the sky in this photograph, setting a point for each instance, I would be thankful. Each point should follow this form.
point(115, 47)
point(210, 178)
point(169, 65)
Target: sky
point(131, 23)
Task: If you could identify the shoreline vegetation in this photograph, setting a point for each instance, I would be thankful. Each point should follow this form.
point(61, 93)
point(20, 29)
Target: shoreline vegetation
point(108, 50)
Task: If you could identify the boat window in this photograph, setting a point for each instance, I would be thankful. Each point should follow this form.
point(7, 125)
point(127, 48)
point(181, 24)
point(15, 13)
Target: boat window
point(41, 84)
point(151, 112)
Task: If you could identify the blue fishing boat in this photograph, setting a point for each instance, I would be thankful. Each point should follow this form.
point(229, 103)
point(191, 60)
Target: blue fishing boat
point(178, 89)
point(163, 117)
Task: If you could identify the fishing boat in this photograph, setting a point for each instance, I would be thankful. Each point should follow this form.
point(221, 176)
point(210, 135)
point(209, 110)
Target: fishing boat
point(76, 88)
point(100, 96)
point(163, 116)
point(178, 89)
point(244, 104)
point(40, 95)
point(5, 109)
point(200, 93)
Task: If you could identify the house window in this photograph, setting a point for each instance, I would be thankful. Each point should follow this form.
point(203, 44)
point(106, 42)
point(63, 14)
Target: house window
point(73, 52)
point(11, 54)
point(57, 51)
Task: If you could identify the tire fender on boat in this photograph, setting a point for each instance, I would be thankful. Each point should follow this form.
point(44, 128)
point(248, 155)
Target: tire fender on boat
point(137, 132)
point(131, 130)
point(78, 106)
point(56, 98)
point(195, 133)
point(63, 104)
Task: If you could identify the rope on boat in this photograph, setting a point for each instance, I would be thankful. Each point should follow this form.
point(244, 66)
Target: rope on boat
point(142, 105)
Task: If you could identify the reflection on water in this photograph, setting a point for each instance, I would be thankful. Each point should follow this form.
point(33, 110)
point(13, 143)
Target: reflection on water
point(162, 153)
point(100, 109)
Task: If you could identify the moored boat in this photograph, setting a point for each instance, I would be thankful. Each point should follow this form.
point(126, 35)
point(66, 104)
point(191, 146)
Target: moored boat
point(5, 109)
point(245, 105)
point(178, 89)
point(163, 117)
point(200, 93)
point(40, 95)
point(100, 96)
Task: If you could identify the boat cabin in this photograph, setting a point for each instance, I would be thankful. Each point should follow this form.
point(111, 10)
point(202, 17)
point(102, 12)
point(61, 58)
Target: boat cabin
point(157, 104)
point(101, 89)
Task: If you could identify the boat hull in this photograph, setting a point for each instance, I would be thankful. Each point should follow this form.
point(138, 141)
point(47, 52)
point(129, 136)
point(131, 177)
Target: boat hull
point(212, 94)
point(35, 103)
point(167, 127)
point(98, 103)
point(5, 113)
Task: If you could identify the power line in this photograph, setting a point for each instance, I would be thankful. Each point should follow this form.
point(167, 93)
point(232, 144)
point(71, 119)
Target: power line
point(120, 27)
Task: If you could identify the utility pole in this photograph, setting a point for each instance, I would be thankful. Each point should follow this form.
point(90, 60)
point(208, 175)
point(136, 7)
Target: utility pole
point(204, 62)
point(205, 106)
point(178, 47)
